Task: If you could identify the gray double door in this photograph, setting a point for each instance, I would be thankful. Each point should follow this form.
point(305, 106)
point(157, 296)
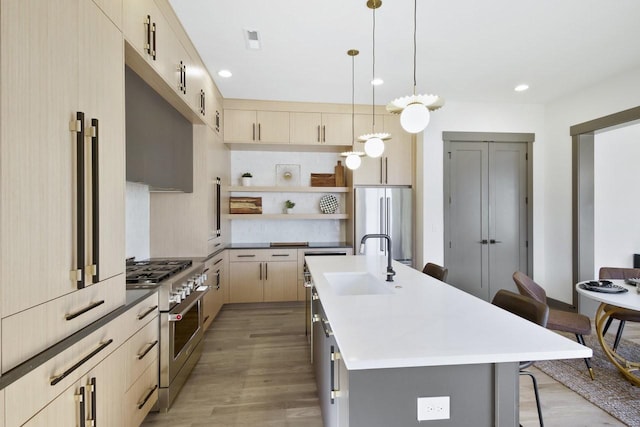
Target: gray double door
point(485, 215)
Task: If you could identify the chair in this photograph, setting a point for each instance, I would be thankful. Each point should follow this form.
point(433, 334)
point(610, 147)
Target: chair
point(529, 309)
point(621, 314)
point(435, 271)
point(559, 320)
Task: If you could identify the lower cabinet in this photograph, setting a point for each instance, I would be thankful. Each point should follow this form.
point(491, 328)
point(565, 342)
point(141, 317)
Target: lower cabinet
point(332, 378)
point(93, 400)
point(263, 275)
point(1, 408)
point(88, 383)
point(216, 280)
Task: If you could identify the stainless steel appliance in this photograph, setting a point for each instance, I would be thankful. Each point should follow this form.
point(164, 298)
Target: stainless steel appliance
point(181, 287)
point(385, 210)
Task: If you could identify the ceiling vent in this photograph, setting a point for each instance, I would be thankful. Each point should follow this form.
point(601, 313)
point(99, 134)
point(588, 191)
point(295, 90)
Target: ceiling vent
point(252, 39)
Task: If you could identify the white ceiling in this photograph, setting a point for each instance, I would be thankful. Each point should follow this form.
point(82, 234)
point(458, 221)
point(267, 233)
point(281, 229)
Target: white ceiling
point(468, 50)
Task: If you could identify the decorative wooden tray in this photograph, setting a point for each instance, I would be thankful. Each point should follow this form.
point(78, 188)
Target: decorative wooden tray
point(245, 205)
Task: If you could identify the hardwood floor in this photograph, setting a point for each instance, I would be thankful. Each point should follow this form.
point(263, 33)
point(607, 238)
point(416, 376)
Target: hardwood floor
point(255, 371)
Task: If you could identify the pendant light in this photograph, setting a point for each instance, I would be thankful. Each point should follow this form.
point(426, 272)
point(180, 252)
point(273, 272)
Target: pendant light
point(374, 142)
point(353, 158)
point(415, 109)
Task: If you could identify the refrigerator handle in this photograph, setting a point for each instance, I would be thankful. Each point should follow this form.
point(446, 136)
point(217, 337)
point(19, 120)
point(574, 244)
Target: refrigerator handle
point(382, 222)
point(388, 215)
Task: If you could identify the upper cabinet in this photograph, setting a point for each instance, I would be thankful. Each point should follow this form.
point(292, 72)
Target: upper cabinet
point(250, 126)
point(144, 27)
point(113, 9)
point(62, 162)
point(396, 165)
point(320, 128)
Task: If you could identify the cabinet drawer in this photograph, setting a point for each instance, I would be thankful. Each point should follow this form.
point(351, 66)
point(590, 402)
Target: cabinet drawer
point(142, 350)
point(142, 395)
point(32, 392)
point(137, 317)
point(273, 255)
point(29, 332)
point(247, 255)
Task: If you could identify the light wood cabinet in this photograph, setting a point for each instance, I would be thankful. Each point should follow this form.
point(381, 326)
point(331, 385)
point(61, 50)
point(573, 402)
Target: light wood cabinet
point(113, 9)
point(248, 126)
point(82, 52)
point(262, 275)
point(142, 29)
point(95, 398)
point(320, 128)
point(396, 165)
point(2, 408)
point(141, 396)
point(214, 299)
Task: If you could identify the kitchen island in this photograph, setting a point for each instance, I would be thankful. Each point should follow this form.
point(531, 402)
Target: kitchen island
point(379, 346)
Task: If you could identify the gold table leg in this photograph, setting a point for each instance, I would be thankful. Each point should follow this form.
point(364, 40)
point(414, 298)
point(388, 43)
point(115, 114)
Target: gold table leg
point(626, 367)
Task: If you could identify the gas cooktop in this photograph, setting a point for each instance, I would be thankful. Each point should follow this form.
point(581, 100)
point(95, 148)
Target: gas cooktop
point(152, 272)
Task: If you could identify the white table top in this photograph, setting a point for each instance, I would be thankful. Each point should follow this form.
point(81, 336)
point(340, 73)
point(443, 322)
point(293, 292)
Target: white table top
point(425, 322)
point(629, 299)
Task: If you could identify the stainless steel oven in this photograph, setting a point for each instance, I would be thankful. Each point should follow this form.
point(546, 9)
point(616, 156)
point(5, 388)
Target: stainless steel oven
point(181, 332)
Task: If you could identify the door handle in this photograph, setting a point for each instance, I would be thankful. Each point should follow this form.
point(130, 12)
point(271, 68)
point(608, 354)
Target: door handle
point(77, 126)
point(494, 241)
point(95, 199)
point(484, 241)
point(80, 400)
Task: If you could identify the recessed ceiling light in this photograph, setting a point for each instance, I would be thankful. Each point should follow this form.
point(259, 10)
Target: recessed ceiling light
point(521, 88)
point(224, 73)
point(377, 81)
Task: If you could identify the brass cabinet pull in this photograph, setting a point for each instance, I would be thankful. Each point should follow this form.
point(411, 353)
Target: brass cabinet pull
point(147, 350)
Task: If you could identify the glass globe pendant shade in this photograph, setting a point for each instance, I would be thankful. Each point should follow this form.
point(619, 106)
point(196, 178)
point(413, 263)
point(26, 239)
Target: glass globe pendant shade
point(353, 161)
point(374, 147)
point(415, 117)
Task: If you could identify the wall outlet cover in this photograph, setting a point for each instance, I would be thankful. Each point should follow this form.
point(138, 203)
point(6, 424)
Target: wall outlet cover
point(434, 408)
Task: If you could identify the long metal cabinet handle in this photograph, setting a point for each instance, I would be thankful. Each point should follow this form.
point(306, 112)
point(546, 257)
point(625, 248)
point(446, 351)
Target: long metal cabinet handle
point(154, 32)
point(254, 132)
point(259, 132)
point(82, 311)
point(184, 78)
point(218, 203)
point(333, 378)
point(318, 133)
point(56, 379)
point(147, 350)
point(181, 81)
point(381, 174)
point(148, 312)
point(246, 256)
point(260, 271)
point(266, 271)
point(218, 280)
point(94, 406)
point(80, 206)
point(80, 400)
point(218, 262)
point(386, 170)
point(95, 198)
point(147, 397)
point(324, 133)
point(147, 28)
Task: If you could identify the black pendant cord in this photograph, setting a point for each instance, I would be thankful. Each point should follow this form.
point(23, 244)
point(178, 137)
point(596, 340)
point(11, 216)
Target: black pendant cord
point(373, 75)
point(415, 20)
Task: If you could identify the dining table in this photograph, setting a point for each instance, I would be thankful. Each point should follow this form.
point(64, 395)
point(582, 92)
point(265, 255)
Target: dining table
point(613, 296)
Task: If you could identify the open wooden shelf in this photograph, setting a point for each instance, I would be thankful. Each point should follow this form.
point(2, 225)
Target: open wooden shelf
point(284, 189)
point(287, 216)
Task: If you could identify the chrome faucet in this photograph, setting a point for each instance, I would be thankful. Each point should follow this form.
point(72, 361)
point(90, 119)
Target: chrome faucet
point(390, 272)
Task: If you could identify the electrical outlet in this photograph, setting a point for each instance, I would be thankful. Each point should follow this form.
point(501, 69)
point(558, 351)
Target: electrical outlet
point(433, 408)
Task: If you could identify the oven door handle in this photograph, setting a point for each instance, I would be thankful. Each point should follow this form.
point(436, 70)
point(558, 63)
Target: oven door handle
point(178, 312)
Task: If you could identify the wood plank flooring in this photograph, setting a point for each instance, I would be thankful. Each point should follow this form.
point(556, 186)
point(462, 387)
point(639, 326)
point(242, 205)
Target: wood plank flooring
point(255, 371)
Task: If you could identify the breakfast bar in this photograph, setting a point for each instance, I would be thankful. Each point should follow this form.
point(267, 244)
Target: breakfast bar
point(417, 349)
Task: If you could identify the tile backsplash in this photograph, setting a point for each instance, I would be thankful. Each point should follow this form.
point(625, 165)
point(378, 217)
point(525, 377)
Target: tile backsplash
point(137, 221)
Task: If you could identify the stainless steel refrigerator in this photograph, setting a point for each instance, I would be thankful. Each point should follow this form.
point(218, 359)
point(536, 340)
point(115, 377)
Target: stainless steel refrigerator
point(386, 210)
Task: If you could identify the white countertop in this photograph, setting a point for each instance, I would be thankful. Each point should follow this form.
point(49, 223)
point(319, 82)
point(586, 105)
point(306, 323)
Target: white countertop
point(425, 322)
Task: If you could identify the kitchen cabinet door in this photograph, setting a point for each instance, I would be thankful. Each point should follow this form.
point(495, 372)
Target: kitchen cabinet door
point(101, 81)
point(336, 129)
point(363, 124)
point(306, 128)
point(248, 126)
point(37, 150)
point(273, 127)
point(113, 9)
point(246, 281)
point(2, 408)
point(239, 125)
point(136, 25)
point(280, 281)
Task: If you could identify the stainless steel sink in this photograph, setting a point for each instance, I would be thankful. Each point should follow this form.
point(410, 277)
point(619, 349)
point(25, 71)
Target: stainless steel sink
point(357, 283)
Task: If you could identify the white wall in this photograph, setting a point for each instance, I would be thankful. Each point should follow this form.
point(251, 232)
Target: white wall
point(611, 96)
point(616, 198)
point(471, 117)
point(262, 164)
point(137, 220)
